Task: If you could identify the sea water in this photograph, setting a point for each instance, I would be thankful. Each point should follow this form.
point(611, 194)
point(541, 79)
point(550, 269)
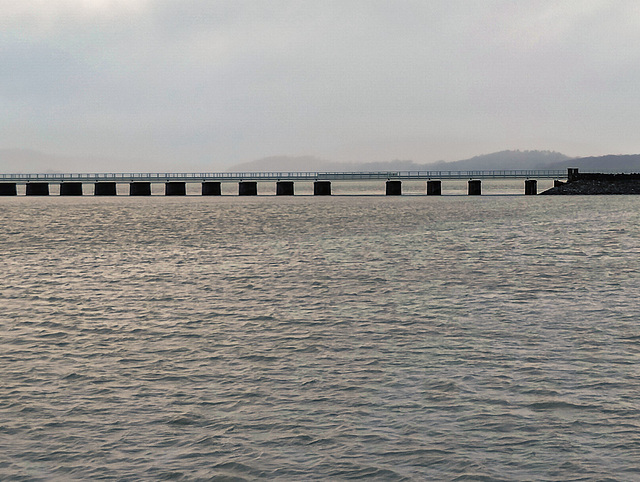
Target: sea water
point(333, 338)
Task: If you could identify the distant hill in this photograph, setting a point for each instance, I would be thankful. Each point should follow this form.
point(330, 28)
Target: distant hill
point(505, 160)
point(497, 160)
point(609, 164)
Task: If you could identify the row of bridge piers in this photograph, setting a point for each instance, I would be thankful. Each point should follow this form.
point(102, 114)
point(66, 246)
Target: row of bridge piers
point(213, 188)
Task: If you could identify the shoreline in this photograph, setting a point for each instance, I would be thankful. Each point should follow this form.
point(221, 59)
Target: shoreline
point(596, 184)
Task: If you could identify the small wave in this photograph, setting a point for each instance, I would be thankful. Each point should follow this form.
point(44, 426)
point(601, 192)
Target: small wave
point(560, 405)
point(441, 386)
point(263, 318)
point(476, 477)
point(261, 358)
point(367, 473)
point(186, 420)
point(73, 376)
point(236, 470)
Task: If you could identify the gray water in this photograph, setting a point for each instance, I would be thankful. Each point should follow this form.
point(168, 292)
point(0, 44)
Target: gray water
point(412, 338)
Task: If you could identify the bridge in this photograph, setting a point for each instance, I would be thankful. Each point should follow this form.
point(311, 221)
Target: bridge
point(283, 176)
point(175, 183)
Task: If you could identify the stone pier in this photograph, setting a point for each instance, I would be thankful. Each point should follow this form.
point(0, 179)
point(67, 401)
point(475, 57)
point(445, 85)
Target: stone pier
point(104, 189)
point(211, 188)
point(284, 188)
point(247, 188)
point(393, 188)
point(475, 187)
point(175, 188)
point(530, 187)
point(37, 189)
point(322, 188)
point(140, 189)
point(8, 189)
point(434, 188)
point(71, 189)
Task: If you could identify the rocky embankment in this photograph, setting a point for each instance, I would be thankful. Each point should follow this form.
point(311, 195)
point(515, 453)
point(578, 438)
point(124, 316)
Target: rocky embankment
point(594, 183)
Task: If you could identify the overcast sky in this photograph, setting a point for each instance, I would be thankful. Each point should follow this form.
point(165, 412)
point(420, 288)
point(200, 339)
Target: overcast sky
point(220, 82)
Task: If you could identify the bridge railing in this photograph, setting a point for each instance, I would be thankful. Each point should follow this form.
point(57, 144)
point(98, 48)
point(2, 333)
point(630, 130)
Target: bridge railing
point(274, 176)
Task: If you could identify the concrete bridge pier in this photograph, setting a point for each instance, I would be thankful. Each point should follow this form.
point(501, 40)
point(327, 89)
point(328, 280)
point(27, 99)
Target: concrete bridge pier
point(530, 187)
point(284, 188)
point(104, 189)
point(394, 188)
point(175, 189)
point(475, 187)
point(37, 189)
point(71, 189)
point(434, 188)
point(322, 188)
point(8, 189)
point(211, 188)
point(140, 189)
point(247, 188)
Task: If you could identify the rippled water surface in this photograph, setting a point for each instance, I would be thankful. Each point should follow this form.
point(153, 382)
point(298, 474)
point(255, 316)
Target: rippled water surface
point(411, 338)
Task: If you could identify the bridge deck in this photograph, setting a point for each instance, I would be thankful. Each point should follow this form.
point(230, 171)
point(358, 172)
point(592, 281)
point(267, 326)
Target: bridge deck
point(288, 176)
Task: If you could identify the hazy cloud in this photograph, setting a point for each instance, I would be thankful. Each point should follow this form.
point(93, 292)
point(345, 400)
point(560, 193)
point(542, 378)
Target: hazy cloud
point(217, 82)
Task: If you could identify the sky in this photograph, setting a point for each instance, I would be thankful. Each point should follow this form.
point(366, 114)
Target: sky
point(207, 83)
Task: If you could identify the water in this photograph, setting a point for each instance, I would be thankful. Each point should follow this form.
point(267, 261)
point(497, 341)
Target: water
point(412, 338)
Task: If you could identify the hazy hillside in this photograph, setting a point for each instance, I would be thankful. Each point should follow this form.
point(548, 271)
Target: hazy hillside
point(504, 160)
point(497, 160)
point(611, 163)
